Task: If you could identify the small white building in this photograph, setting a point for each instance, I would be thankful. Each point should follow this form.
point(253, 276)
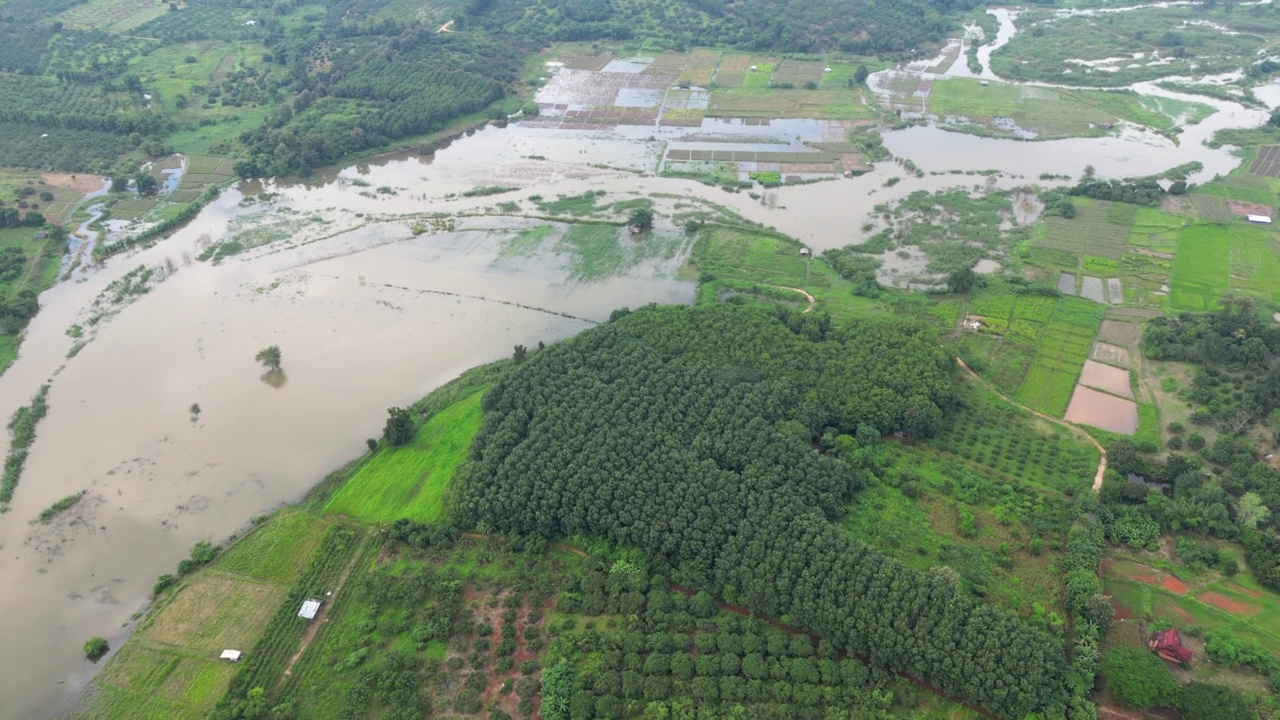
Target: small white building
point(231, 655)
point(309, 609)
point(1259, 219)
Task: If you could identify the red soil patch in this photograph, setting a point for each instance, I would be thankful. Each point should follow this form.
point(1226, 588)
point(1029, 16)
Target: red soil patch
point(1222, 602)
point(1174, 585)
point(1121, 612)
point(1244, 208)
point(1109, 568)
point(1244, 591)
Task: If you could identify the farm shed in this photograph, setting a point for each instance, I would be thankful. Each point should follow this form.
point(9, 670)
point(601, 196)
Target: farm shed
point(309, 609)
point(1260, 219)
point(232, 655)
point(1168, 645)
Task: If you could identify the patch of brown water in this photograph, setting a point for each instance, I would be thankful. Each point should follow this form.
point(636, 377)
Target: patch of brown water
point(362, 326)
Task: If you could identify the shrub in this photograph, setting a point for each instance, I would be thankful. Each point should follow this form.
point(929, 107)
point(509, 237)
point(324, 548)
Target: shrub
point(1175, 442)
point(1176, 427)
point(1195, 441)
point(1203, 701)
point(95, 648)
point(1138, 678)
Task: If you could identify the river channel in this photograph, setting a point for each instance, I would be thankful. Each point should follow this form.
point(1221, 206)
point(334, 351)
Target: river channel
point(368, 315)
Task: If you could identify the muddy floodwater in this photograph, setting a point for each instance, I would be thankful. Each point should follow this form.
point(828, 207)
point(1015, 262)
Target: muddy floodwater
point(1105, 377)
point(379, 282)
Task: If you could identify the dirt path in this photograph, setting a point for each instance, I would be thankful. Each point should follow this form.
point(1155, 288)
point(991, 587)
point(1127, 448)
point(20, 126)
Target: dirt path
point(323, 616)
point(447, 27)
point(811, 299)
point(1102, 460)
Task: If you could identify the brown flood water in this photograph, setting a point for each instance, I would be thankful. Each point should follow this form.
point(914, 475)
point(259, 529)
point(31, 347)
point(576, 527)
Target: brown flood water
point(366, 320)
point(1101, 410)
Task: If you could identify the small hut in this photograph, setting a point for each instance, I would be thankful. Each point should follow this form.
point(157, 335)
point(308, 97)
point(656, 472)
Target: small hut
point(231, 655)
point(1168, 645)
point(309, 609)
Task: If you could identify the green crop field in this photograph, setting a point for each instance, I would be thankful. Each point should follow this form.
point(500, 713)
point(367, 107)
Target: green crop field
point(1064, 346)
point(410, 481)
point(276, 551)
point(1091, 232)
point(1213, 260)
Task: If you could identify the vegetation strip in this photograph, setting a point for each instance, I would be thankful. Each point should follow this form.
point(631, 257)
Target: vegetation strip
point(22, 433)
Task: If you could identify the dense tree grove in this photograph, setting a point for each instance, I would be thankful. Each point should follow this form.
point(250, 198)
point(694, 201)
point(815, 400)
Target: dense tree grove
point(690, 433)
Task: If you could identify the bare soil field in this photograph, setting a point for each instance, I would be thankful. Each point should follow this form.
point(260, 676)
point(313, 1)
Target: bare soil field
point(1111, 355)
point(1101, 410)
point(1222, 602)
point(1106, 378)
point(1119, 333)
point(1244, 208)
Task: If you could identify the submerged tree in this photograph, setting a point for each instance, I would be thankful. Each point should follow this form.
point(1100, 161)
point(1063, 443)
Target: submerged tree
point(269, 357)
point(641, 218)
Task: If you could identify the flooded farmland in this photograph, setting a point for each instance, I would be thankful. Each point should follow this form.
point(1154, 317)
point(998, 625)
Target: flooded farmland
point(379, 282)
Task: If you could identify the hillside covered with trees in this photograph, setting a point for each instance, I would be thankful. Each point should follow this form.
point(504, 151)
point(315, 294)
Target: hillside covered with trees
point(690, 433)
point(335, 78)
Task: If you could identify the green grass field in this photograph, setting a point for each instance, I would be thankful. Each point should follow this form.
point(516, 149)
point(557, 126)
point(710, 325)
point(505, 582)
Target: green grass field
point(1051, 112)
point(275, 551)
point(1213, 260)
point(410, 481)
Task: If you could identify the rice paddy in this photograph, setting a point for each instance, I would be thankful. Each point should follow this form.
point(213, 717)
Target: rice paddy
point(1064, 346)
point(410, 481)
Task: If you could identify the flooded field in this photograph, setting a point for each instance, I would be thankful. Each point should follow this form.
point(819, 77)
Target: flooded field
point(381, 280)
point(367, 315)
point(1102, 410)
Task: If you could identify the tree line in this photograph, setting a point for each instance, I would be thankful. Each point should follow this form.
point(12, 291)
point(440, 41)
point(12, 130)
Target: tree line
point(691, 433)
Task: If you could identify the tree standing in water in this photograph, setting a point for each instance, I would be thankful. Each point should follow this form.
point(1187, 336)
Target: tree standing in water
point(269, 357)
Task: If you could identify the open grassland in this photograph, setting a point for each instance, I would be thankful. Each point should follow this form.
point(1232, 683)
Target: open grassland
point(275, 551)
point(922, 533)
point(410, 481)
point(1052, 112)
point(1213, 260)
point(1064, 346)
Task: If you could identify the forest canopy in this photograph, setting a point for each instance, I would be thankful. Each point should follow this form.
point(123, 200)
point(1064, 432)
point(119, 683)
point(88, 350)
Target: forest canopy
point(689, 432)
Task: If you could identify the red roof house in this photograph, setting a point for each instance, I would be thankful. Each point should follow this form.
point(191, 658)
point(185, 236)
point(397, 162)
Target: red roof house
point(1168, 645)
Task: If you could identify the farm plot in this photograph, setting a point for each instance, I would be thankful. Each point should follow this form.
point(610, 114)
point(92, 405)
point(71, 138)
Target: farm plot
point(1213, 260)
point(1090, 232)
point(797, 72)
point(1064, 346)
point(276, 551)
point(1267, 164)
point(410, 481)
point(1212, 208)
point(1109, 379)
point(1243, 186)
point(1237, 605)
point(213, 612)
point(767, 102)
point(112, 14)
point(700, 68)
point(731, 70)
point(1102, 410)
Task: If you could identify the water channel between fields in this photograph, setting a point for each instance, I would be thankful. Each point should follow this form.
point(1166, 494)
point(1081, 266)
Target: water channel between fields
point(368, 315)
